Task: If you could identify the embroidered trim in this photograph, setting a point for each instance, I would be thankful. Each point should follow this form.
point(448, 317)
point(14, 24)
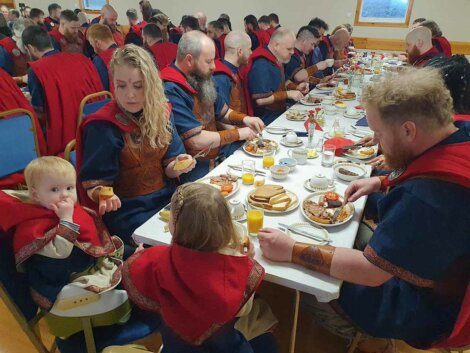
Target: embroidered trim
point(132, 291)
point(190, 133)
point(262, 95)
point(371, 255)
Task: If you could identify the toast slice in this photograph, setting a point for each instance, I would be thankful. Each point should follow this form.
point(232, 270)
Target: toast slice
point(268, 191)
point(279, 199)
point(283, 206)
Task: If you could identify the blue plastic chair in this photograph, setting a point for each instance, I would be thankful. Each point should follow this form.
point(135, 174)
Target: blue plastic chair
point(18, 141)
point(14, 291)
point(87, 108)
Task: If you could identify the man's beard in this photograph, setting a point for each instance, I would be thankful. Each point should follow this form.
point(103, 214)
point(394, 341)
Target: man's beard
point(400, 158)
point(204, 86)
point(413, 54)
point(71, 38)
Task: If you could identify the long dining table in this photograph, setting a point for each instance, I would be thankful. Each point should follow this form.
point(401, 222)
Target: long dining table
point(324, 288)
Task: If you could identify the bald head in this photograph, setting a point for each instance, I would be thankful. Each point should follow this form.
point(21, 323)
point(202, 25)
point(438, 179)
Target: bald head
point(109, 14)
point(419, 39)
point(202, 19)
point(341, 38)
point(282, 44)
point(237, 48)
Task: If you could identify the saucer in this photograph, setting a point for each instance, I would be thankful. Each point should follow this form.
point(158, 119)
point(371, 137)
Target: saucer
point(289, 144)
point(309, 188)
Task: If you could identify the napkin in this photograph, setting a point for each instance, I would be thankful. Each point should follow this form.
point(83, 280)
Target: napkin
point(317, 126)
point(362, 122)
point(339, 142)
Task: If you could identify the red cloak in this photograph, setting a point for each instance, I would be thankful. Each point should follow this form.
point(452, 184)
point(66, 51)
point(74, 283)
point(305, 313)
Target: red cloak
point(222, 45)
point(237, 93)
point(443, 46)
point(20, 60)
point(263, 38)
point(137, 28)
point(106, 56)
point(66, 78)
point(194, 292)
point(444, 162)
point(422, 59)
point(164, 53)
point(35, 226)
point(65, 46)
point(260, 52)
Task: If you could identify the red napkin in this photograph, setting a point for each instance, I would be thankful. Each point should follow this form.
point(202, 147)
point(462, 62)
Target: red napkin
point(317, 126)
point(339, 142)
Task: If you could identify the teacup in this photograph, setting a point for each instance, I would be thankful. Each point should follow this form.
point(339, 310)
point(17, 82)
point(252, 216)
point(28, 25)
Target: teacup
point(318, 181)
point(236, 209)
point(299, 154)
point(291, 137)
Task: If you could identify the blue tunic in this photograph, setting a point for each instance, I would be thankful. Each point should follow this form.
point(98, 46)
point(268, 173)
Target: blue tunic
point(102, 69)
point(5, 61)
point(187, 124)
point(103, 143)
point(316, 57)
point(264, 79)
point(423, 232)
point(292, 67)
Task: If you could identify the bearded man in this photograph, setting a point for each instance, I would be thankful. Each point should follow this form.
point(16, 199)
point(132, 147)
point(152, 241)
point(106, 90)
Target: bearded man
point(68, 38)
point(419, 46)
point(196, 105)
point(410, 281)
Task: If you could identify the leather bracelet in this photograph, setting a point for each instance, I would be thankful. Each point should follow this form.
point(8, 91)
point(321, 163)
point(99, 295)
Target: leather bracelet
point(280, 96)
point(236, 117)
point(292, 86)
point(311, 70)
point(228, 136)
point(313, 257)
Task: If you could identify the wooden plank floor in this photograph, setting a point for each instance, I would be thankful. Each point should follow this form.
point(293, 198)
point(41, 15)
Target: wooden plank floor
point(310, 337)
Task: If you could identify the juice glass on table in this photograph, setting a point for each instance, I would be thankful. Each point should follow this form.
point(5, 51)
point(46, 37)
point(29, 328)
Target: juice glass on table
point(268, 157)
point(254, 221)
point(248, 172)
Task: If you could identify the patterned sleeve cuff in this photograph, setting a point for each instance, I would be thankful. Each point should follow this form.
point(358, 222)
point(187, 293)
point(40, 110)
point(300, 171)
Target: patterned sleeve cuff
point(66, 231)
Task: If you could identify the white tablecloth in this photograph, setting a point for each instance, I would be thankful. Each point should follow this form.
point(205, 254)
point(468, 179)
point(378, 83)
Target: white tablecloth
point(323, 287)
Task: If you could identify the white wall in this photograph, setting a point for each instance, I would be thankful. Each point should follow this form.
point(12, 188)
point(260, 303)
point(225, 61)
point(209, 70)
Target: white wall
point(451, 15)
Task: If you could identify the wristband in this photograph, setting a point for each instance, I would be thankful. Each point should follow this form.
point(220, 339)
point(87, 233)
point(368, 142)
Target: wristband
point(280, 96)
point(228, 136)
point(314, 257)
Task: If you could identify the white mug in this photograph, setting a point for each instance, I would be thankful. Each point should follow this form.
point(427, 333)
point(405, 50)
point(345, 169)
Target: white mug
point(236, 209)
point(299, 154)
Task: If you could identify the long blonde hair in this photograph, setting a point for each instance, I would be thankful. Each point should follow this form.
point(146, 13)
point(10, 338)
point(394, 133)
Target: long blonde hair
point(155, 125)
point(202, 219)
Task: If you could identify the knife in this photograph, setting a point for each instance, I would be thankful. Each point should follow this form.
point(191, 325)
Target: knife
point(305, 234)
point(239, 168)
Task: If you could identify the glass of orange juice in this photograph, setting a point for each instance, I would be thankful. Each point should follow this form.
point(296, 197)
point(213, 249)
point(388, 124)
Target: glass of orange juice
point(248, 172)
point(254, 221)
point(268, 157)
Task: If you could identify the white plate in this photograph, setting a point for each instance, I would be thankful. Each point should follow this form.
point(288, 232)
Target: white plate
point(357, 155)
point(236, 185)
point(277, 131)
point(259, 154)
point(311, 229)
point(292, 207)
point(324, 88)
point(356, 117)
point(305, 102)
point(344, 99)
point(314, 197)
point(353, 167)
point(309, 188)
point(288, 144)
point(300, 115)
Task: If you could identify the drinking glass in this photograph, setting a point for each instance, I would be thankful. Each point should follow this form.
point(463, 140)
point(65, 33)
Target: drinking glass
point(254, 221)
point(268, 157)
point(248, 172)
point(328, 155)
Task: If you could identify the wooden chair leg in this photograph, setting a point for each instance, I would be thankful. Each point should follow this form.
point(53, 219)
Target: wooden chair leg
point(354, 343)
point(88, 333)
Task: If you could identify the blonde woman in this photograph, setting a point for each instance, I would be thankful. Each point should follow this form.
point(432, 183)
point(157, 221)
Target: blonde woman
point(203, 284)
point(131, 145)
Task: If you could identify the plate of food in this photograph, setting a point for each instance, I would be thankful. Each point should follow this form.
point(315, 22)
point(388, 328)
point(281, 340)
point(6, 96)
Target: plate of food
point(311, 100)
point(257, 146)
point(273, 199)
point(227, 184)
point(296, 115)
point(367, 71)
point(349, 171)
point(325, 209)
point(344, 95)
point(340, 104)
point(362, 153)
point(327, 86)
